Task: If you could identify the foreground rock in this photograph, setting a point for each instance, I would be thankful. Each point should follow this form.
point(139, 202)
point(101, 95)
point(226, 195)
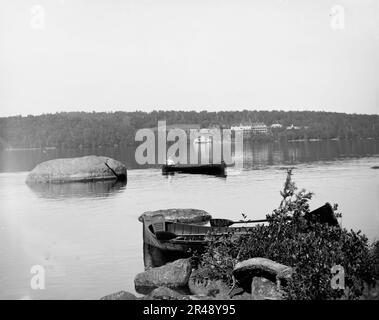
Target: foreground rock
point(265, 289)
point(160, 293)
point(263, 277)
point(179, 215)
point(171, 275)
point(245, 271)
point(164, 293)
point(89, 168)
point(202, 286)
point(121, 295)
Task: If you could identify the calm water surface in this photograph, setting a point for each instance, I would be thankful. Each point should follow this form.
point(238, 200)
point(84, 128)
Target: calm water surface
point(89, 239)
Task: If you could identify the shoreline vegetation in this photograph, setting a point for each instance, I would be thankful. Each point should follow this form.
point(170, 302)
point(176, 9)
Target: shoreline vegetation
point(310, 248)
point(290, 258)
point(110, 129)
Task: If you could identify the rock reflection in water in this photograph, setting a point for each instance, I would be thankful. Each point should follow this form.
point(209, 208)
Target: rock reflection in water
point(77, 189)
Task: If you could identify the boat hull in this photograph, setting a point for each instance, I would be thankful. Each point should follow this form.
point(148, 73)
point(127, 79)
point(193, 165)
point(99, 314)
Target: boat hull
point(170, 245)
point(189, 237)
point(210, 169)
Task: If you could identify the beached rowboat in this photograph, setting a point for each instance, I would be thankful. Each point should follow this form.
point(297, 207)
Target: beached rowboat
point(175, 236)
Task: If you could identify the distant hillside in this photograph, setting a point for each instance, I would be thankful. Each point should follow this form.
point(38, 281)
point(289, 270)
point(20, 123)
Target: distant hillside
point(80, 129)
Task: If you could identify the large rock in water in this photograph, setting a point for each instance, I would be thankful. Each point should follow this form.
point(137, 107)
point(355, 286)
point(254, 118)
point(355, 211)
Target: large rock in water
point(171, 275)
point(179, 215)
point(89, 168)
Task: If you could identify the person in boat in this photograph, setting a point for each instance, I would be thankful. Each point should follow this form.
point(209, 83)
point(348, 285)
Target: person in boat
point(170, 162)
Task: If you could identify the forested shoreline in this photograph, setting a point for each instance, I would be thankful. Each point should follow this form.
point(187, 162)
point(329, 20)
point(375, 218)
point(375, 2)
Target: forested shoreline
point(83, 129)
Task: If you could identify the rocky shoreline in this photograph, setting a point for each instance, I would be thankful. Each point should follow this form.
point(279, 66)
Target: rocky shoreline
point(221, 277)
point(254, 279)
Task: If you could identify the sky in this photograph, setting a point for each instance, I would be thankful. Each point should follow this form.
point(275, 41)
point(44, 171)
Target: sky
point(99, 55)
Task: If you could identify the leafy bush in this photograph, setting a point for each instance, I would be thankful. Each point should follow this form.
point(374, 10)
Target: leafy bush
point(311, 248)
point(375, 254)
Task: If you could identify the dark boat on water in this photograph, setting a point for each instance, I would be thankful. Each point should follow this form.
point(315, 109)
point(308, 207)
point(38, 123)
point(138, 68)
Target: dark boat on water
point(175, 236)
point(210, 169)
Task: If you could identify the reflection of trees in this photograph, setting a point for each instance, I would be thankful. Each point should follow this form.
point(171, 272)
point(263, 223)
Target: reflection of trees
point(260, 153)
point(77, 189)
point(263, 154)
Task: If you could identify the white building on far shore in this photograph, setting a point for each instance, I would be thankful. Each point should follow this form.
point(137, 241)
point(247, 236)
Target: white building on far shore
point(259, 128)
point(255, 128)
point(240, 128)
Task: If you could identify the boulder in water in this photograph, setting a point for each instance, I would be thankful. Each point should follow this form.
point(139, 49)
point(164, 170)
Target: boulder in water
point(83, 169)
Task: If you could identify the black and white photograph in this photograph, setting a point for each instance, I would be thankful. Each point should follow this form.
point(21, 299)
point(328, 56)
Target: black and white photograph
point(161, 151)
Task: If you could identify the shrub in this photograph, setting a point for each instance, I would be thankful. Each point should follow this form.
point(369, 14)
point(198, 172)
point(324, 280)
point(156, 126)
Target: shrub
point(311, 248)
point(375, 257)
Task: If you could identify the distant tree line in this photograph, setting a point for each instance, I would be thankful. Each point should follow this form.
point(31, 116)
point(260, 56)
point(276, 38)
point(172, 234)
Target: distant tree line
point(82, 129)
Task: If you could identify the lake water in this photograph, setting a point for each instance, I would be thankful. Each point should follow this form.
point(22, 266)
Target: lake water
point(89, 240)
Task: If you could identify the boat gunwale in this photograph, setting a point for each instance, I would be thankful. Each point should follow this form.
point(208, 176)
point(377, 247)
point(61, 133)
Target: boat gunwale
point(181, 240)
